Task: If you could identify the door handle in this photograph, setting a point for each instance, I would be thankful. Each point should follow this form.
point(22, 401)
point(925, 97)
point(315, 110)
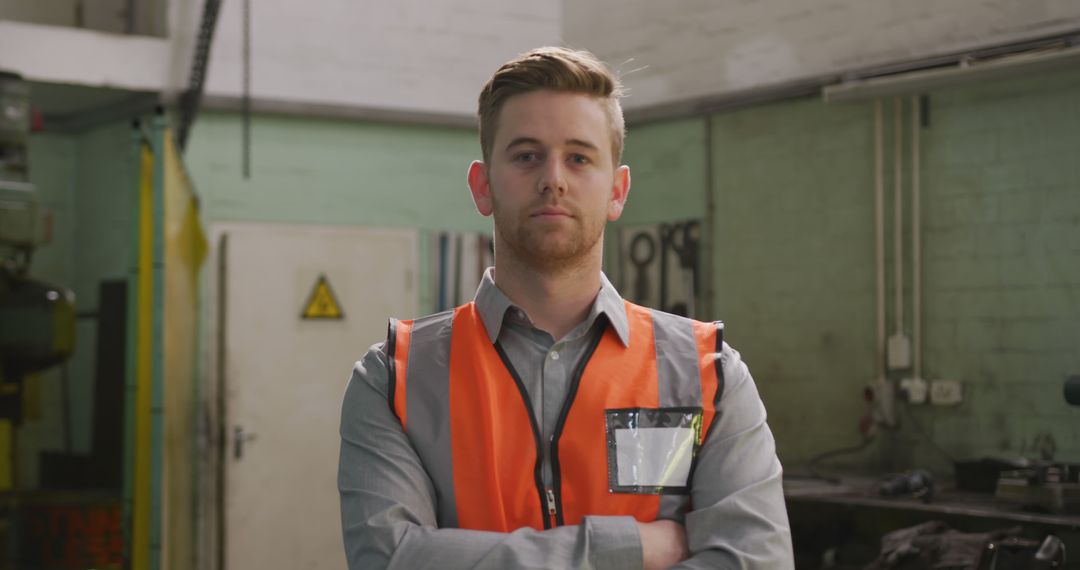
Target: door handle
point(239, 437)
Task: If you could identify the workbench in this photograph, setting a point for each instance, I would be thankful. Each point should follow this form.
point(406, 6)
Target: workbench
point(850, 517)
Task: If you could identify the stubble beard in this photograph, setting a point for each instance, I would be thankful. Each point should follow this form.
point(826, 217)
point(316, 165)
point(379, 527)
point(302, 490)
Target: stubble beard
point(547, 249)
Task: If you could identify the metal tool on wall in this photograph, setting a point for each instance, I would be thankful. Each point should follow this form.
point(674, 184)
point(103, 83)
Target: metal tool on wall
point(642, 254)
point(662, 264)
point(682, 240)
point(459, 262)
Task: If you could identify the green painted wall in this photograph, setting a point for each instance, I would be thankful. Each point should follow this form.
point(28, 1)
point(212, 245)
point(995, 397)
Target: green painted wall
point(667, 172)
point(794, 245)
point(794, 262)
point(53, 171)
point(85, 179)
point(1003, 265)
point(103, 196)
point(322, 171)
point(337, 172)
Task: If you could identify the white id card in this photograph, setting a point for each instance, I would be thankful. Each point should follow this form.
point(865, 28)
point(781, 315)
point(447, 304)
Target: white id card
point(652, 451)
point(654, 457)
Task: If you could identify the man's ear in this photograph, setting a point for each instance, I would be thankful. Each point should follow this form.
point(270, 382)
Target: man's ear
point(619, 192)
point(480, 187)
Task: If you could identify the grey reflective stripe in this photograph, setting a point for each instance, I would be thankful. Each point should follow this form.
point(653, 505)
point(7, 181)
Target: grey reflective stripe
point(673, 507)
point(427, 408)
point(676, 361)
point(679, 378)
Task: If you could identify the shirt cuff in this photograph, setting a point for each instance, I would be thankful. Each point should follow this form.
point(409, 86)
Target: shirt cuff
point(614, 542)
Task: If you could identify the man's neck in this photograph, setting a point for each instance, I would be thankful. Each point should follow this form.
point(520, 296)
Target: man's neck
point(555, 301)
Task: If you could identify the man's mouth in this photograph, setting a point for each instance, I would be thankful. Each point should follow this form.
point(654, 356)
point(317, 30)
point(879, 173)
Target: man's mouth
point(551, 211)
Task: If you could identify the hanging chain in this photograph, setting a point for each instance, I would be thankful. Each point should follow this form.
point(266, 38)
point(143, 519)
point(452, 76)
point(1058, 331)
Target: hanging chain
point(192, 96)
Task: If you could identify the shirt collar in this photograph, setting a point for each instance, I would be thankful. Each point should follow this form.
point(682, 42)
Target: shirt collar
point(492, 305)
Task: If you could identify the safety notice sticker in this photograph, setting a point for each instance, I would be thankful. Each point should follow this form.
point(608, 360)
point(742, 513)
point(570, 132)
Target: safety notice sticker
point(322, 304)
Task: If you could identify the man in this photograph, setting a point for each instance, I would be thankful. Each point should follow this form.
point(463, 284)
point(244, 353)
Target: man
point(550, 424)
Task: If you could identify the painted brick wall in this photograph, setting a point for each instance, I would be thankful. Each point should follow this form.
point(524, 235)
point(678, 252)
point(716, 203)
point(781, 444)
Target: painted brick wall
point(794, 261)
point(794, 264)
point(321, 171)
point(1002, 269)
point(53, 170)
point(318, 171)
point(402, 55)
point(667, 172)
point(395, 54)
point(694, 49)
point(103, 192)
point(86, 180)
point(411, 55)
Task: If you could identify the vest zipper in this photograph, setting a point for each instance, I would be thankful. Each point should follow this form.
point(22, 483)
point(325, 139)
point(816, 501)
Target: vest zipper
point(552, 510)
point(547, 498)
point(575, 381)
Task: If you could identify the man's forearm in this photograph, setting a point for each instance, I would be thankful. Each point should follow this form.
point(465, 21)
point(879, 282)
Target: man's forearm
point(600, 542)
point(739, 518)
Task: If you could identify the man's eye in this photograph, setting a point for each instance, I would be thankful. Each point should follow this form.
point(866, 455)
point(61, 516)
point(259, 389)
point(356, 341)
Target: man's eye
point(525, 157)
point(579, 159)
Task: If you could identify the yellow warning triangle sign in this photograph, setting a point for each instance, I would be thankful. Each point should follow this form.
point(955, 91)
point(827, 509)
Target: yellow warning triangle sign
point(322, 304)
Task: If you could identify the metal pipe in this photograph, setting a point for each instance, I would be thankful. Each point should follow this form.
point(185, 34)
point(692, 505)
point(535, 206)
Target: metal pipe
point(879, 236)
point(220, 396)
point(898, 213)
point(916, 239)
point(708, 296)
point(139, 140)
point(157, 408)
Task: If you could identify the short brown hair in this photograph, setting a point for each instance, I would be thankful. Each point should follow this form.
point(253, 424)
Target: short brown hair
point(554, 69)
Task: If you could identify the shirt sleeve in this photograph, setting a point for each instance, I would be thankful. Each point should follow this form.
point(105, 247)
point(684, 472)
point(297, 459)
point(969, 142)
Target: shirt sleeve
point(738, 517)
point(388, 503)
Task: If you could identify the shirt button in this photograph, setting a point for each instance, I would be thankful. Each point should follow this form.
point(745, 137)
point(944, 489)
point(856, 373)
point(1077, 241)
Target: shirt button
point(554, 355)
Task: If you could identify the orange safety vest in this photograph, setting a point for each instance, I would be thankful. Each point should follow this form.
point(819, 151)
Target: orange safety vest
point(470, 420)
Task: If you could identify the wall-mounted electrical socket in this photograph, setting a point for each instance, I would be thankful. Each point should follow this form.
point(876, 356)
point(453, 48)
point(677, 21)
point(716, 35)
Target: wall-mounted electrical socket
point(946, 392)
point(914, 390)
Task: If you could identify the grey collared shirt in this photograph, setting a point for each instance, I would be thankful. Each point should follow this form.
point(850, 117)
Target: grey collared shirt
point(388, 500)
point(544, 364)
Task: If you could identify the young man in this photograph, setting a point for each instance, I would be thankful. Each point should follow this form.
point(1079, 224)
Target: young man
point(550, 424)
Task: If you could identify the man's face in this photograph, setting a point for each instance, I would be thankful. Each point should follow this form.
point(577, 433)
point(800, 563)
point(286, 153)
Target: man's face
point(551, 182)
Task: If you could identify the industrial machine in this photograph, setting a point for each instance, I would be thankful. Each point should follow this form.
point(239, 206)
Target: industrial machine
point(37, 319)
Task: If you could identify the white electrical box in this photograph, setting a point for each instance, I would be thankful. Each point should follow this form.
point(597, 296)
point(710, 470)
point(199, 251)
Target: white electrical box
point(946, 392)
point(898, 352)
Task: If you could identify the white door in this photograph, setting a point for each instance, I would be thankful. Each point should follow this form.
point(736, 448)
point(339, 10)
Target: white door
point(284, 377)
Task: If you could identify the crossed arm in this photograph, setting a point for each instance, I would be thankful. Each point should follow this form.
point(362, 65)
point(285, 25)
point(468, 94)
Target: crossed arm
point(388, 500)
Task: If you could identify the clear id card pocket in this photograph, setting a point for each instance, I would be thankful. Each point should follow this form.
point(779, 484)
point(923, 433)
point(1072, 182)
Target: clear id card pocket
point(651, 450)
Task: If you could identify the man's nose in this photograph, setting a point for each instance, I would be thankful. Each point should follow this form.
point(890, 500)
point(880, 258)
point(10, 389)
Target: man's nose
point(552, 177)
